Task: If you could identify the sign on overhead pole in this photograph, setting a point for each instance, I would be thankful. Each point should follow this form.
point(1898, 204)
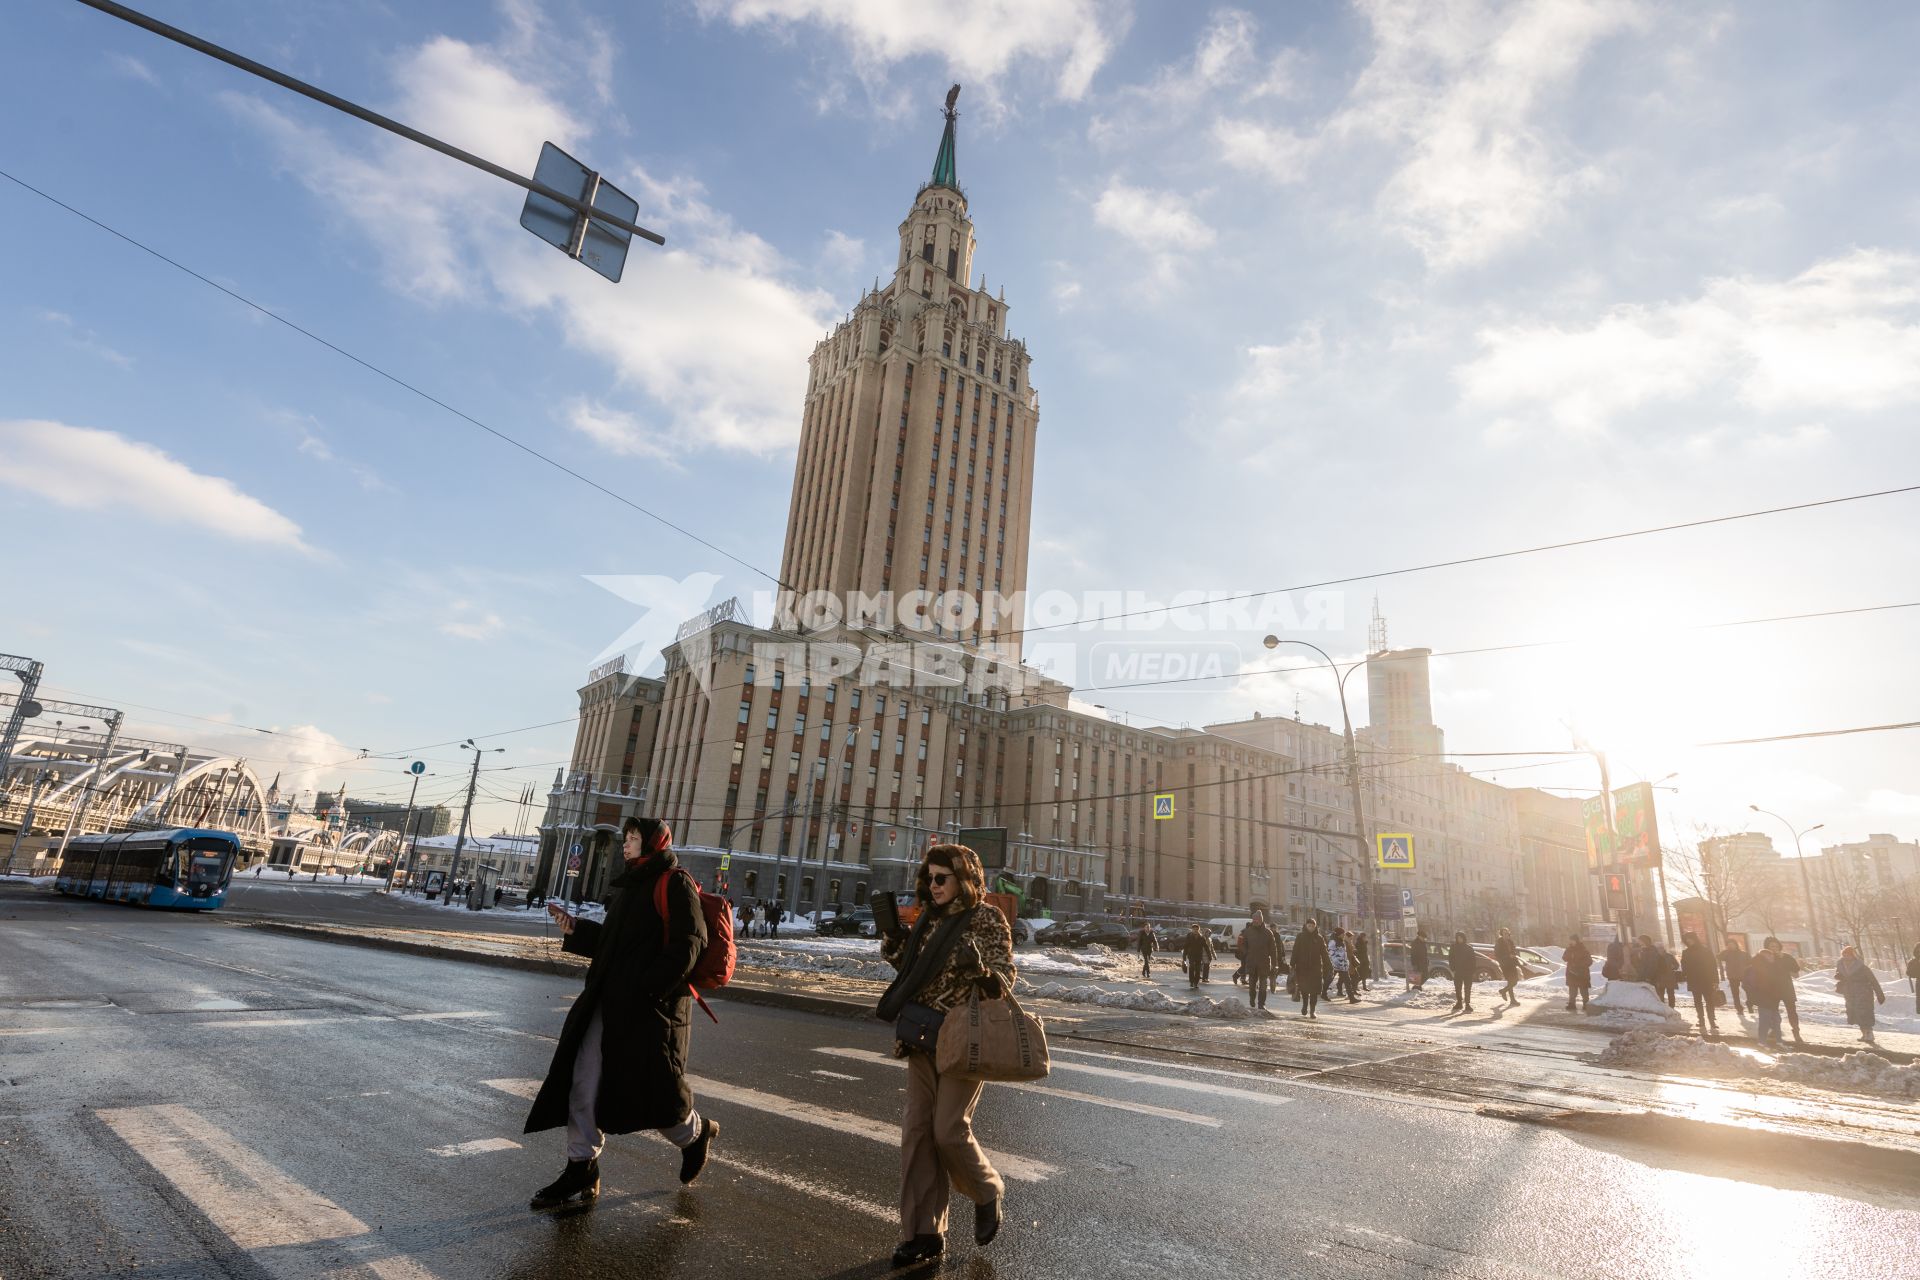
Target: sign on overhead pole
point(599, 245)
point(1393, 851)
point(1163, 806)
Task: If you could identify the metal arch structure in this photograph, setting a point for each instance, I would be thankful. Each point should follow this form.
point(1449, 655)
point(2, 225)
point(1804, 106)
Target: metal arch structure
point(223, 792)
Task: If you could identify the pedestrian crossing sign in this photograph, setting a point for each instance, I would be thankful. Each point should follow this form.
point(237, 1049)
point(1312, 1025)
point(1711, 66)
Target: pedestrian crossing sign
point(1393, 852)
point(1163, 805)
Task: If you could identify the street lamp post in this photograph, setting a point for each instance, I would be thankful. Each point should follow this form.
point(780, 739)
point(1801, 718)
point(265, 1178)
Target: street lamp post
point(418, 771)
point(466, 812)
point(1353, 786)
point(1806, 881)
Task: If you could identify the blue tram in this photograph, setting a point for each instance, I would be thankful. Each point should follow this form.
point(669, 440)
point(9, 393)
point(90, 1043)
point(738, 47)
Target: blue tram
point(177, 867)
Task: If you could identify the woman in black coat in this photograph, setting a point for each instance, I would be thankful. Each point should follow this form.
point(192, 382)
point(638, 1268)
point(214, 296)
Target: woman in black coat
point(1310, 965)
point(1465, 963)
point(622, 1058)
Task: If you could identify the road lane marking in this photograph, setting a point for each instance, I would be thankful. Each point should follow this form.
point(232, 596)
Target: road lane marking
point(1169, 1082)
point(253, 1203)
point(1371, 1095)
point(528, 1088)
point(1018, 1168)
point(475, 1147)
point(438, 1017)
point(834, 1075)
point(1052, 1091)
point(279, 1022)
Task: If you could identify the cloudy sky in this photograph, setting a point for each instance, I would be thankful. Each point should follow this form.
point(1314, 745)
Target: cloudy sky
point(1314, 292)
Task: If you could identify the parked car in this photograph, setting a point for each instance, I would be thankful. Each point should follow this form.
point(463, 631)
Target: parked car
point(1532, 963)
point(857, 923)
point(1113, 933)
point(1064, 933)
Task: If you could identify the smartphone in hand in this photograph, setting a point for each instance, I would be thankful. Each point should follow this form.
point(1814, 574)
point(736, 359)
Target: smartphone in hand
point(561, 917)
point(886, 915)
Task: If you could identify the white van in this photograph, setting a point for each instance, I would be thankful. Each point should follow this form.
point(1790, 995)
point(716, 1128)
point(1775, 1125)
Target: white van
point(1223, 930)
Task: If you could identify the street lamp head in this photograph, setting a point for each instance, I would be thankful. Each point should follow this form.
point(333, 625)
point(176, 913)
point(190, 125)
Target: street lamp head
point(1754, 807)
point(1272, 642)
point(1815, 827)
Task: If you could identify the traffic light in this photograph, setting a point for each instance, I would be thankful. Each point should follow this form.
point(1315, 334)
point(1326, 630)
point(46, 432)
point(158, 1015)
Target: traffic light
point(1616, 889)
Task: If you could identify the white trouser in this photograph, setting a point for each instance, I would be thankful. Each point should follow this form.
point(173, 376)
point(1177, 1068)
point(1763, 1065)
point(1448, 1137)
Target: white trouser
point(584, 1139)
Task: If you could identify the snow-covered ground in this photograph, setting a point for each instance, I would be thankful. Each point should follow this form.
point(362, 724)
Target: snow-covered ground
point(860, 958)
point(1652, 1049)
point(267, 877)
point(1151, 1000)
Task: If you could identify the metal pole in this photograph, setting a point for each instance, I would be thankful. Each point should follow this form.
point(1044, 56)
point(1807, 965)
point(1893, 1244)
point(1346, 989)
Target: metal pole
point(78, 814)
point(29, 682)
point(394, 865)
point(26, 823)
point(466, 811)
point(285, 81)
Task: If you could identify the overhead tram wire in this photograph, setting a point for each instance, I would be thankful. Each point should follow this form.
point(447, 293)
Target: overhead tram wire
point(398, 381)
point(1499, 648)
point(1487, 557)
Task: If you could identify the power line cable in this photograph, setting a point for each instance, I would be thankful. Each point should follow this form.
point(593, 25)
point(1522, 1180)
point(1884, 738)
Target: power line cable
point(398, 381)
point(1475, 559)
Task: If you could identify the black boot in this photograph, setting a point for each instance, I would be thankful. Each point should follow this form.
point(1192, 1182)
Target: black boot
point(581, 1183)
point(986, 1222)
point(693, 1156)
point(918, 1249)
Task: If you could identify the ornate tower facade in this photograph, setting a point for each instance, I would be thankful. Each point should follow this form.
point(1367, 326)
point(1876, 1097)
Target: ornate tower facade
point(915, 468)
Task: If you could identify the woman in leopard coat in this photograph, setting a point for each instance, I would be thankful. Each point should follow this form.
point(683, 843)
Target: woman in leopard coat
point(937, 1146)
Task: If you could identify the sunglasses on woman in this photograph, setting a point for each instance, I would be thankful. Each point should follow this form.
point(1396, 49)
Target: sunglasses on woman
point(939, 877)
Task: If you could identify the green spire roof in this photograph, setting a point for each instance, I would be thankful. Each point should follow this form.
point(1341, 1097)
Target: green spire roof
point(944, 174)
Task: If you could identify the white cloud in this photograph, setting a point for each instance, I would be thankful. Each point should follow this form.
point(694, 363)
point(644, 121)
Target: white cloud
point(842, 253)
point(1158, 220)
point(1898, 803)
point(86, 339)
point(133, 69)
point(93, 470)
point(1844, 335)
point(1459, 89)
point(618, 432)
point(979, 41)
point(710, 328)
point(466, 622)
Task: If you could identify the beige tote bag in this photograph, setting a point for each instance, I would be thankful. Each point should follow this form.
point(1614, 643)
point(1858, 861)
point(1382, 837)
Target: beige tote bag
point(992, 1040)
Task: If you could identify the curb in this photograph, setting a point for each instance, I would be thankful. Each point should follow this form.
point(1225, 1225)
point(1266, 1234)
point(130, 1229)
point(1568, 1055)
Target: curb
point(743, 993)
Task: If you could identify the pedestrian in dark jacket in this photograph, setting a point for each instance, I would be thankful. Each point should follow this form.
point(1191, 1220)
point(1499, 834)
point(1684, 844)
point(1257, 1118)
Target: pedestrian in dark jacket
point(1855, 981)
point(1615, 967)
point(1763, 983)
point(1195, 950)
point(1733, 963)
point(621, 1062)
point(1787, 968)
point(1666, 968)
point(1362, 962)
point(1144, 942)
point(1465, 964)
point(1310, 963)
point(1579, 973)
point(938, 1152)
point(1507, 956)
point(1263, 956)
point(1913, 976)
point(1701, 969)
point(1417, 958)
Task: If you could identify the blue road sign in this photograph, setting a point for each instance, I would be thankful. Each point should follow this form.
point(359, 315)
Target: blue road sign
point(602, 247)
point(418, 766)
point(1163, 805)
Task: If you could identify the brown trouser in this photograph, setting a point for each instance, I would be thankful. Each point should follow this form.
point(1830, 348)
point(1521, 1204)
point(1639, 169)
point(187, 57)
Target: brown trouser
point(937, 1148)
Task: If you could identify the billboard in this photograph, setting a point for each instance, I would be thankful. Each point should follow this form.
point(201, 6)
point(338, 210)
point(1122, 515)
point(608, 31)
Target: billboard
point(1636, 834)
point(1593, 816)
point(989, 842)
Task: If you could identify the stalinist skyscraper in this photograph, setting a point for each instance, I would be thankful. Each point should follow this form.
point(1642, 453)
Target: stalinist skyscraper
point(915, 469)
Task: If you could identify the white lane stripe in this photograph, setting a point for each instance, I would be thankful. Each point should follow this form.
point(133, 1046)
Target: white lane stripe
point(1052, 1091)
point(1018, 1168)
point(277, 1022)
point(1372, 1095)
point(529, 1088)
point(475, 1147)
point(254, 1204)
point(833, 1075)
point(1169, 1082)
point(439, 1017)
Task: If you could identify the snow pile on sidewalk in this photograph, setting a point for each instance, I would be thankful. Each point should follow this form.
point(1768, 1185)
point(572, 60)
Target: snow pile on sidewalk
point(1651, 1048)
point(1634, 1004)
point(761, 955)
point(1153, 1001)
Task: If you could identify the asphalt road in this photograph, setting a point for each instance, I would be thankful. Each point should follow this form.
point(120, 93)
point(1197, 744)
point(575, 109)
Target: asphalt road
point(185, 1098)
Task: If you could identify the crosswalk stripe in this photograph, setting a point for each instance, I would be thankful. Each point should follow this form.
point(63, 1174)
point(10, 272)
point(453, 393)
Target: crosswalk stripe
point(1051, 1091)
point(440, 1017)
point(1019, 1168)
point(253, 1203)
point(476, 1147)
point(1316, 1086)
point(1170, 1082)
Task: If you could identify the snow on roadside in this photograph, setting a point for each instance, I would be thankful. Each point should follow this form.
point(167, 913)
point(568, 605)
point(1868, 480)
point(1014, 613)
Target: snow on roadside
point(860, 958)
point(1151, 1001)
point(1634, 1004)
point(1652, 1048)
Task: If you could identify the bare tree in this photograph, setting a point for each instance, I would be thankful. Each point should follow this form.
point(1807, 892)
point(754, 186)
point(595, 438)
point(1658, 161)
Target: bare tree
point(1848, 895)
point(1734, 880)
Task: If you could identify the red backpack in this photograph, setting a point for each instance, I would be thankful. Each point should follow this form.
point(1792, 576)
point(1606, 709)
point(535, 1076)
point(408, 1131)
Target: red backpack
point(713, 968)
